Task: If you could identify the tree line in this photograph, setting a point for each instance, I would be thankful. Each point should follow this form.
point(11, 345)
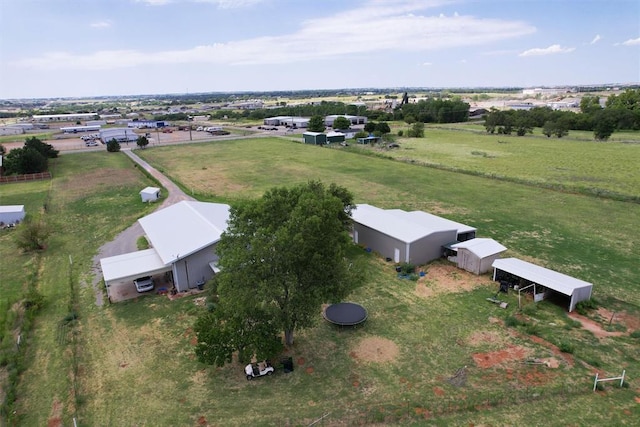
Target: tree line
point(33, 157)
point(621, 112)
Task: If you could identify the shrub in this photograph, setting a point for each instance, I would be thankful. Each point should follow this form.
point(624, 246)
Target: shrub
point(400, 132)
point(585, 305)
point(635, 334)
point(512, 322)
point(113, 146)
point(530, 309)
point(566, 347)
point(407, 268)
point(533, 329)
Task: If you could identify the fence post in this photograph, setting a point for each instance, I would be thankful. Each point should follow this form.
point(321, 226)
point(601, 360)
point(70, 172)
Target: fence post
point(622, 378)
point(595, 383)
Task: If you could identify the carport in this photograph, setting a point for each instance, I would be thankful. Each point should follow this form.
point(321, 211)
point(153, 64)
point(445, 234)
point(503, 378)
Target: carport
point(119, 272)
point(527, 274)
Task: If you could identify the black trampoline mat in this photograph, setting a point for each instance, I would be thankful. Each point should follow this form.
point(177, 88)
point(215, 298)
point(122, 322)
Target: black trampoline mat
point(345, 314)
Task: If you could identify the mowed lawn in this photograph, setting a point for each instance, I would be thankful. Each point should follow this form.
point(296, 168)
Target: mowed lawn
point(137, 365)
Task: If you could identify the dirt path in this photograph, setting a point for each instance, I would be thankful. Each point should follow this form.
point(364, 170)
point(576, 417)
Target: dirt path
point(125, 242)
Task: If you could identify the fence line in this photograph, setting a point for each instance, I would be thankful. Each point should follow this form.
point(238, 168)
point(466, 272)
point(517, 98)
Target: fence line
point(25, 178)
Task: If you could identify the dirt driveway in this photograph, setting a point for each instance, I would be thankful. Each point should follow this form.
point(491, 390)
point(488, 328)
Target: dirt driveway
point(125, 242)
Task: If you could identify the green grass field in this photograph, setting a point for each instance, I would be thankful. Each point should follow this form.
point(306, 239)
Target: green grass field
point(136, 360)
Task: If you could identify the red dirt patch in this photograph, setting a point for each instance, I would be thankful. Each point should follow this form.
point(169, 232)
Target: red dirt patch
point(637, 399)
point(594, 327)
point(202, 421)
point(193, 341)
point(356, 384)
point(309, 370)
point(301, 361)
point(376, 349)
point(438, 391)
point(488, 360)
point(55, 420)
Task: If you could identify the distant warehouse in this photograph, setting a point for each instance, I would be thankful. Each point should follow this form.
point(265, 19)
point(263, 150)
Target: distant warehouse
point(63, 117)
point(119, 134)
point(76, 129)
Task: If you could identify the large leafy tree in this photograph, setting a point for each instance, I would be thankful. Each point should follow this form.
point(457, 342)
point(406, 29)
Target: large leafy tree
point(24, 161)
point(282, 256)
point(316, 124)
point(341, 123)
point(142, 141)
point(46, 150)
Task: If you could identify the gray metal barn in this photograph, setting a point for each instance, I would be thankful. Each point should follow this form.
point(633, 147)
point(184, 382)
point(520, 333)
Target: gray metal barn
point(398, 237)
point(11, 214)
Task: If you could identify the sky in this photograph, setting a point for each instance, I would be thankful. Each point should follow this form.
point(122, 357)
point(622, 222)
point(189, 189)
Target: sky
point(85, 48)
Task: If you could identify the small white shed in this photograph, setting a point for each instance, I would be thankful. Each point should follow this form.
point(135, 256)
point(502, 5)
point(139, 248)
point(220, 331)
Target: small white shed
point(11, 214)
point(150, 194)
point(477, 255)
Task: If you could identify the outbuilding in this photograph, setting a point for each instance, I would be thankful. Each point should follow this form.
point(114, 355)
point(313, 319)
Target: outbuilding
point(544, 283)
point(398, 237)
point(11, 214)
point(317, 138)
point(183, 237)
point(335, 137)
point(150, 194)
point(477, 255)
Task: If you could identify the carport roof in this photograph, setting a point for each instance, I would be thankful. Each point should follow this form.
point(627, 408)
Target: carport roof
point(551, 279)
point(481, 247)
point(392, 224)
point(132, 264)
point(185, 228)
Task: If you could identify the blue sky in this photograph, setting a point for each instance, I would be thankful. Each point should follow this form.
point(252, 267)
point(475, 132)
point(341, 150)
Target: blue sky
point(65, 48)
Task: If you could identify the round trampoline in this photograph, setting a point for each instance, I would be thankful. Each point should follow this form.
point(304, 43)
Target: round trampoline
point(345, 314)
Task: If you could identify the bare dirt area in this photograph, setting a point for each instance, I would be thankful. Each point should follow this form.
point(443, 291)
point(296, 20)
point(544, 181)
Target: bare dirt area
point(594, 327)
point(375, 349)
point(444, 278)
point(501, 357)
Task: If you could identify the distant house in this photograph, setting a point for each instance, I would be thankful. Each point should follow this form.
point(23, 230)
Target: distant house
point(119, 134)
point(11, 214)
point(183, 238)
point(150, 194)
point(401, 236)
point(477, 255)
point(349, 133)
point(316, 138)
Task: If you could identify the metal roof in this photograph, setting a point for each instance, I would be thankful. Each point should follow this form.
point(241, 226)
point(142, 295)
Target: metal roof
point(149, 190)
point(131, 264)
point(481, 247)
point(551, 279)
point(392, 224)
point(433, 221)
point(11, 208)
point(184, 228)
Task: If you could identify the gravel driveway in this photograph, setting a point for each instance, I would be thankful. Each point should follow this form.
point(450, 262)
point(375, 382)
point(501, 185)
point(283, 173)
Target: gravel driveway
point(125, 242)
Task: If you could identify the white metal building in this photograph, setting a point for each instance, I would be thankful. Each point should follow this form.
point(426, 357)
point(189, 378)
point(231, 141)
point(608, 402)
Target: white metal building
point(477, 255)
point(150, 194)
point(63, 117)
point(11, 214)
point(548, 282)
point(183, 238)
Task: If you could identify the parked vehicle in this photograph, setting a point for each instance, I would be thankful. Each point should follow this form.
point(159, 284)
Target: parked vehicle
point(144, 284)
point(92, 143)
point(260, 369)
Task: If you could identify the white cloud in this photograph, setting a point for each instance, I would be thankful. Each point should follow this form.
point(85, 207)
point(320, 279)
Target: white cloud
point(596, 39)
point(632, 42)
point(378, 25)
point(101, 24)
point(553, 49)
point(426, 64)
